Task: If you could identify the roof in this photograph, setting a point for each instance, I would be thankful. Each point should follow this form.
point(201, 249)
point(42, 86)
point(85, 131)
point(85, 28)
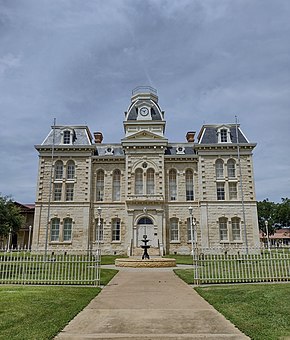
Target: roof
point(209, 134)
point(109, 150)
point(283, 233)
point(81, 135)
point(179, 149)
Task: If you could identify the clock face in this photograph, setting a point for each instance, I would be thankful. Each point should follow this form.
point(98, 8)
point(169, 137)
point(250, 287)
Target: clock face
point(144, 111)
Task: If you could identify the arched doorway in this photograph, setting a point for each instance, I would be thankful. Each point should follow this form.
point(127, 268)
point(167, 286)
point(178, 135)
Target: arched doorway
point(145, 226)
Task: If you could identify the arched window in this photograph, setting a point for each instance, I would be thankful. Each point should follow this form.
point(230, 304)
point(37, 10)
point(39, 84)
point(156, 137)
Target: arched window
point(67, 229)
point(236, 229)
point(189, 185)
point(219, 168)
point(172, 185)
point(145, 220)
point(58, 170)
point(100, 185)
point(70, 170)
point(116, 229)
point(116, 185)
point(54, 229)
point(223, 229)
point(99, 232)
point(150, 185)
point(174, 232)
point(139, 182)
point(231, 165)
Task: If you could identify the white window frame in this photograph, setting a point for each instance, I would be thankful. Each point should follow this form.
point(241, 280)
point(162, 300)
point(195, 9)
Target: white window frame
point(174, 229)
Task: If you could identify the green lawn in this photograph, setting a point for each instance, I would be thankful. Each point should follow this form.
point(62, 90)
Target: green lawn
point(110, 259)
point(181, 259)
point(262, 311)
point(40, 312)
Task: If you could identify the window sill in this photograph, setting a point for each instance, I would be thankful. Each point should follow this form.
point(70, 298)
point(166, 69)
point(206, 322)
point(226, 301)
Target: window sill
point(231, 242)
point(115, 242)
point(174, 242)
point(60, 242)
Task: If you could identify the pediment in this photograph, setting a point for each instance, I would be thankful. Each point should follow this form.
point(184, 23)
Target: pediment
point(144, 135)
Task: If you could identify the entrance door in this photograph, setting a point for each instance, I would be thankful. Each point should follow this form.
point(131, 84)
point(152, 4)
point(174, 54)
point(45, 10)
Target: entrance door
point(145, 227)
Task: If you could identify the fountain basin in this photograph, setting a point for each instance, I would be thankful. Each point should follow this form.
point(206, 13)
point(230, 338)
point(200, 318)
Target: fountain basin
point(151, 263)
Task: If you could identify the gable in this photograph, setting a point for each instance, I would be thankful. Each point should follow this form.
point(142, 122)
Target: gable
point(144, 135)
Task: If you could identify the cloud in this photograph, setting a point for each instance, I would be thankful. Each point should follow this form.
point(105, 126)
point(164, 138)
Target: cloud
point(79, 60)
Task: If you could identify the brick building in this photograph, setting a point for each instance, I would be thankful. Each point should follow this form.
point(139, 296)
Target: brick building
point(145, 185)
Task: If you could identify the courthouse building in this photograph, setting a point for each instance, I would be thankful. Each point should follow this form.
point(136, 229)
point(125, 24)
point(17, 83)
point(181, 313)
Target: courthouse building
point(145, 185)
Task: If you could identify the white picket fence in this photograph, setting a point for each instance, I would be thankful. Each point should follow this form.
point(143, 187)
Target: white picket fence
point(238, 266)
point(61, 267)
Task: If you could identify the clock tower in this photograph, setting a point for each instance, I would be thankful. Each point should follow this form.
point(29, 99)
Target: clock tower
point(144, 147)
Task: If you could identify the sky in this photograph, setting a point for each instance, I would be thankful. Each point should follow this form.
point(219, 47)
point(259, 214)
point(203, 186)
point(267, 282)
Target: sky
point(79, 60)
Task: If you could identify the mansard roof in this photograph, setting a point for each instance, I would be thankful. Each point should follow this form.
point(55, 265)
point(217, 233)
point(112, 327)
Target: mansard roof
point(179, 149)
point(209, 134)
point(109, 150)
point(133, 113)
point(81, 135)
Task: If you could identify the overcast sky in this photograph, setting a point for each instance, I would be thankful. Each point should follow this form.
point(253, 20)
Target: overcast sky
point(78, 61)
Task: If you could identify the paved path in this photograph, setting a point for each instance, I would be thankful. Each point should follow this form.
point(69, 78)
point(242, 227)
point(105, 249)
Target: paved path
point(149, 304)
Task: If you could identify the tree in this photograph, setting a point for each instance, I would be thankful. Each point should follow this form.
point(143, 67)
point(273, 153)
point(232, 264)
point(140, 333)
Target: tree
point(267, 211)
point(10, 216)
point(283, 213)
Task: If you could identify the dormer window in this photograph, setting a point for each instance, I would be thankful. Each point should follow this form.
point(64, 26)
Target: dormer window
point(180, 150)
point(224, 135)
point(66, 137)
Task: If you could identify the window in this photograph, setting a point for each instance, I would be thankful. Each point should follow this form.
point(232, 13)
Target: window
point(58, 170)
point(54, 229)
point(189, 229)
point(223, 228)
point(139, 182)
point(172, 185)
point(70, 170)
point(174, 234)
point(69, 192)
point(116, 185)
point(220, 191)
point(67, 229)
point(66, 137)
point(189, 185)
point(100, 185)
point(236, 229)
point(150, 187)
point(57, 191)
point(231, 168)
point(101, 231)
point(116, 229)
point(219, 169)
point(233, 191)
point(224, 135)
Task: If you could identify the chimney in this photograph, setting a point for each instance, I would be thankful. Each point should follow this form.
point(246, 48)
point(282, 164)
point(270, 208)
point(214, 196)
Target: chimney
point(190, 136)
point(98, 136)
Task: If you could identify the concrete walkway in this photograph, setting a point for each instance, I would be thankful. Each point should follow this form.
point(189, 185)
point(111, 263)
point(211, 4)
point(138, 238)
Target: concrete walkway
point(149, 304)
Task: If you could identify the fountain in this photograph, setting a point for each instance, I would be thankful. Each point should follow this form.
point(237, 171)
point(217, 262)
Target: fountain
point(145, 246)
point(145, 262)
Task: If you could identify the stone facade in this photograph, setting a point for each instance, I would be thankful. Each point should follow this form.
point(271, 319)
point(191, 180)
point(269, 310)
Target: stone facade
point(145, 185)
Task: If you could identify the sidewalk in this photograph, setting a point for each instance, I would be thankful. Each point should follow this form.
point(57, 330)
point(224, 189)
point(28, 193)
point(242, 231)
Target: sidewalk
point(149, 304)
